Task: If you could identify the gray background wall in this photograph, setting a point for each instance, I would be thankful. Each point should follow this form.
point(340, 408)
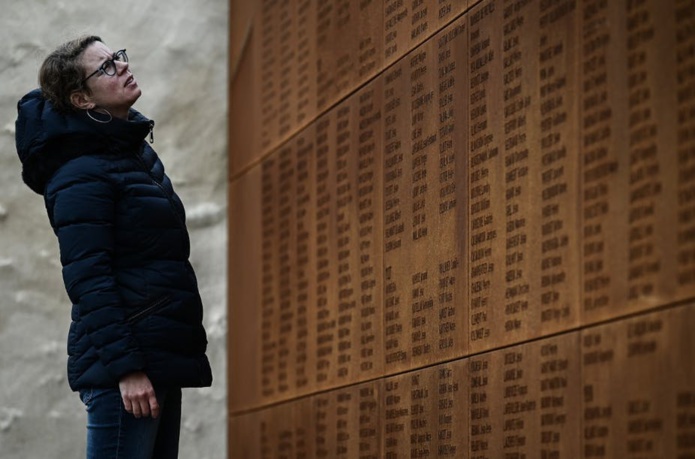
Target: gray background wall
point(178, 52)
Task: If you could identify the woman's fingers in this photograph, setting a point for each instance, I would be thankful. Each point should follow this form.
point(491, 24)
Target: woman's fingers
point(139, 397)
point(154, 405)
point(127, 404)
point(137, 411)
point(142, 404)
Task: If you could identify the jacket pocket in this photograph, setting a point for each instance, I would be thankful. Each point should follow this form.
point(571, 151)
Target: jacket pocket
point(148, 310)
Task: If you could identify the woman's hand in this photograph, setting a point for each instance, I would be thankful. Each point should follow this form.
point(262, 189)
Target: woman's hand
point(138, 395)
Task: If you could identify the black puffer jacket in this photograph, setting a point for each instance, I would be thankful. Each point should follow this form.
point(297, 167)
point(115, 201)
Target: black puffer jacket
point(124, 247)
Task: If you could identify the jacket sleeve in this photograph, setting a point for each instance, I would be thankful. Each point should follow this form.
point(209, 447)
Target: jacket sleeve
point(83, 215)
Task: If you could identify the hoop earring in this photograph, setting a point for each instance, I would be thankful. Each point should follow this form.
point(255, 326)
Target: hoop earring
point(98, 120)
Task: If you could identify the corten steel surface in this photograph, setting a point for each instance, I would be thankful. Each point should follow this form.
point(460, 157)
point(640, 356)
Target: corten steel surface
point(635, 158)
point(638, 396)
point(462, 229)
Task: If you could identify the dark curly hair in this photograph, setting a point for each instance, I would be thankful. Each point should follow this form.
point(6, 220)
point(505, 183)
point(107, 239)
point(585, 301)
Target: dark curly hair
point(61, 73)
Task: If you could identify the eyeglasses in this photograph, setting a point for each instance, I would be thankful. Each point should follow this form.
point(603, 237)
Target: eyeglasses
point(109, 67)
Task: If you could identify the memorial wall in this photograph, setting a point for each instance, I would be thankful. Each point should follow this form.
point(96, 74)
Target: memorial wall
point(462, 229)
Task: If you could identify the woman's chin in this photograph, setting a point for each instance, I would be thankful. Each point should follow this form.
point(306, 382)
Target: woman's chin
point(136, 93)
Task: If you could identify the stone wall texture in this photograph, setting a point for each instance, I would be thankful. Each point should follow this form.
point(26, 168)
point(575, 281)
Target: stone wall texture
point(178, 51)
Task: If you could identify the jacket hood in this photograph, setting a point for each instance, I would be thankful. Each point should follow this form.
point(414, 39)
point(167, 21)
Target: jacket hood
point(46, 139)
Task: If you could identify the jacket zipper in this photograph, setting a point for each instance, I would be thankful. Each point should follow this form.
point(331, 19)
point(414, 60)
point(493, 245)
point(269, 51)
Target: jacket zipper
point(149, 309)
point(179, 217)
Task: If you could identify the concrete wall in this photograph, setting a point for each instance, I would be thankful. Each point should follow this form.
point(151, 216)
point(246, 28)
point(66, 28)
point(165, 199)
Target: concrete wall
point(178, 51)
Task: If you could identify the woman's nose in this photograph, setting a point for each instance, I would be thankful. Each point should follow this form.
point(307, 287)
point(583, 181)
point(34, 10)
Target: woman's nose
point(121, 66)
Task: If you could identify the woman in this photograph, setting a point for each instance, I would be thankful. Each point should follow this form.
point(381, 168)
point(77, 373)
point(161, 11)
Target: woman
point(136, 336)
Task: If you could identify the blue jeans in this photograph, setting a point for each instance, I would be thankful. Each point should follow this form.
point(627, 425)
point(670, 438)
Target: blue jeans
point(113, 433)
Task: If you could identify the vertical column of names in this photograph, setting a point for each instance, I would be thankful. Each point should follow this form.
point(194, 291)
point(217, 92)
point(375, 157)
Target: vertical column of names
point(346, 64)
point(287, 41)
point(369, 420)
point(519, 51)
point(326, 349)
point(305, 262)
point(395, 215)
point(396, 417)
point(483, 166)
point(645, 184)
point(369, 49)
point(265, 442)
point(480, 422)
point(559, 388)
point(344, 220)
point(365, 31)
point(395, 16)
point(598, 359)
point(422, 413)
point(645, 405)
point(559, 162)
point(344, 407)
point(369, 205)
point(423, 136)
point(322, 444)
point(685, 77)
point(599, 160)
point(269, 294)
point(286, 265)
point(449, 330)
point(304, 433)
point(685, 424)
point(653, 130)
point(325, 79)
point(519, 404)
point(306, 57)
point(421, 21)
point(451, 421)
point(449, 80)
point(268, 64)
point(420, 250)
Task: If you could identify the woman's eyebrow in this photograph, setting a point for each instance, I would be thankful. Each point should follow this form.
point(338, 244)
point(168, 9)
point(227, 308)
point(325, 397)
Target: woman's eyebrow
point(109, 57)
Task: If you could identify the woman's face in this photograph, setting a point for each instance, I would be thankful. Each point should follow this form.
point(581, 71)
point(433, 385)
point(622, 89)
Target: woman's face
point(116, 93)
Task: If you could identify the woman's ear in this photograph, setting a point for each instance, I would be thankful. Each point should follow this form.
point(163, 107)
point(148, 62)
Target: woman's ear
point(80, 100)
